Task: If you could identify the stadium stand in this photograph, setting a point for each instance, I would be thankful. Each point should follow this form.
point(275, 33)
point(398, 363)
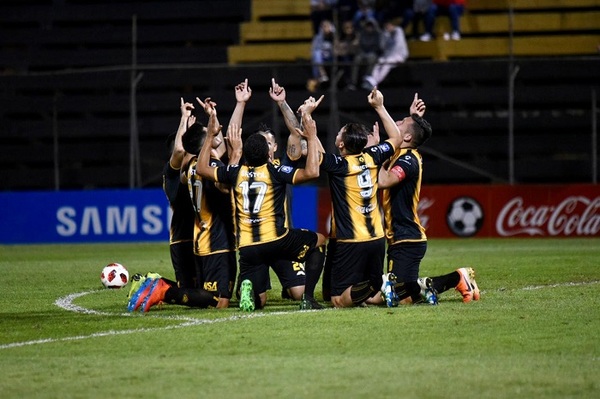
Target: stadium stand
point(66, 88)
point(280, 31)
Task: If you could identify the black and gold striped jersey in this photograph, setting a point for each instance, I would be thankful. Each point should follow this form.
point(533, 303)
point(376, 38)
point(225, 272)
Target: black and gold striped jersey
point(182, 225)
point(400, 201)
point(356, 215)
point(213, 228)
point(259, 200)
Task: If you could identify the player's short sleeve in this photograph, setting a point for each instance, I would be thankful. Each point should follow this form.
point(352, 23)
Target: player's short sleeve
point(171, 181)
point(286, 173)
point(333, 163)
point(226, 173)
point(381, 152)
point(409, 164)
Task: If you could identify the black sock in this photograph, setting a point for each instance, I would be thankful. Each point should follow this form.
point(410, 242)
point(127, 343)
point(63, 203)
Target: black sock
point(313, 268)
point(407, 289)
point(445, 282)
point(192, 297)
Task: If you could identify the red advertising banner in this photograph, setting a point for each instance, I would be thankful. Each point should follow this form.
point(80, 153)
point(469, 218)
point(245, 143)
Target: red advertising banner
point(503, 210)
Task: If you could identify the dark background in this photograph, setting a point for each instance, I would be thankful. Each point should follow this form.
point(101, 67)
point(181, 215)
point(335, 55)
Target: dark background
point(66, 97)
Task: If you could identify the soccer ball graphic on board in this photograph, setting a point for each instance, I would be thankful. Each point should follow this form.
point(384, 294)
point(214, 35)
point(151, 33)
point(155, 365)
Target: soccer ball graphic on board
point(464, 216)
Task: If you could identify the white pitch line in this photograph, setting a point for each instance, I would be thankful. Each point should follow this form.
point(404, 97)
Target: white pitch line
point(66, 303)
point(571, 284)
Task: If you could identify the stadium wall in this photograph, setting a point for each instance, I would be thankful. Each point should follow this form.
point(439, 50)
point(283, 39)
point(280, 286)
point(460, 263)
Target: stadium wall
point(446, 211)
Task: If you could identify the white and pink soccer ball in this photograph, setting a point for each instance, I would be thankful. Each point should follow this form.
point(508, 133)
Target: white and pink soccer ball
point(114, 275)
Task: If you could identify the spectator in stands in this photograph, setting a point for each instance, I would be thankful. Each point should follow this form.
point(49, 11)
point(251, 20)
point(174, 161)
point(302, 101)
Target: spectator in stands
point(420, 8)
point(395, 51)
point(370, 45)
point(346, 47)
point(322, 51)
point(454, 9)
point(321, 10)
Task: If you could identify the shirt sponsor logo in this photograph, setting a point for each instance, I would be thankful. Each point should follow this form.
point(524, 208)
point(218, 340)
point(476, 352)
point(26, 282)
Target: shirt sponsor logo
point(365, 209)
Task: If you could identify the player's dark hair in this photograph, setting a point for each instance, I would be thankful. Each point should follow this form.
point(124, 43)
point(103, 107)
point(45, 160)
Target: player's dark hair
point(193, 138)
point(421, 130)
point(355, 137)
point(263, 128)
point(256, 150)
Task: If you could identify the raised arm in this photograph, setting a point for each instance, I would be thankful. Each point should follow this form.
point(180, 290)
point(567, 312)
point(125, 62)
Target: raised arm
point(234, 144)
point(178, 152)
point(213, 129)
point(243, 92)
point(375, 98)
point(295, 143)
point(309, 132)
point(306, 110)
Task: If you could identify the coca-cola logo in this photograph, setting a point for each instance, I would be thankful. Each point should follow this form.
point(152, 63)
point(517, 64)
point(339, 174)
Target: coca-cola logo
point(574, 215)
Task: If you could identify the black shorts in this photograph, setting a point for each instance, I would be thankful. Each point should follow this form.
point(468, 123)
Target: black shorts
point(182, 258)
point(219, 273)
point(290, 273)
point(404, 259)
point(254, 259)
point(354, 262)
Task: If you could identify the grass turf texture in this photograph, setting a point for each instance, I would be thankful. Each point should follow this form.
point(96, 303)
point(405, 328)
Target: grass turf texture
point(533, 334)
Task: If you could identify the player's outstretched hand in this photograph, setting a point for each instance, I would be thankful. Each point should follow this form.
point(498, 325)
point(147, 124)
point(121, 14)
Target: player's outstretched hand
point(208, 105)
point(276, 91)
point(243, 92)
point(418, 106)
point(375, 98)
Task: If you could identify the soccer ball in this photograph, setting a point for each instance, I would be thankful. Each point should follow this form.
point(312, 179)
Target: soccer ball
point(464, 217)
point(114, 275)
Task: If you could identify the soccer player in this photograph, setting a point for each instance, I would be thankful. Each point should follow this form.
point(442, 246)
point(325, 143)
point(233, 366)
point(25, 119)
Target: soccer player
point(356, 222)
point(407, 241)
point(259, 201)
point(291, 273)
point(182, 221)
point(214, 240)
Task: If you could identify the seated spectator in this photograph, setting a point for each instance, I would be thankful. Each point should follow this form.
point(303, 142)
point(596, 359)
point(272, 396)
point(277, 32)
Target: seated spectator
point(395, 51)
point(346, 47)
point(454, 9)
point(322, 51)
point(370, 46)
point(420, 8)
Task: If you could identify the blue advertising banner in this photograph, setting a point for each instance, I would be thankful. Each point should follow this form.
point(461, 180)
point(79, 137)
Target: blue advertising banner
point(106, 215)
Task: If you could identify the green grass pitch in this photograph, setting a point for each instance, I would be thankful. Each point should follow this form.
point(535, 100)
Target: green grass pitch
point(535, 333)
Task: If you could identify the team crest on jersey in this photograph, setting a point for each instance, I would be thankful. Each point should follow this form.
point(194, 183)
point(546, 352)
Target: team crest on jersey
point(286, 169)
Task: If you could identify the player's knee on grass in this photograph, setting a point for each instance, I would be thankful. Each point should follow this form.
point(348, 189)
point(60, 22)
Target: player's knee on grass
point(361, 292)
